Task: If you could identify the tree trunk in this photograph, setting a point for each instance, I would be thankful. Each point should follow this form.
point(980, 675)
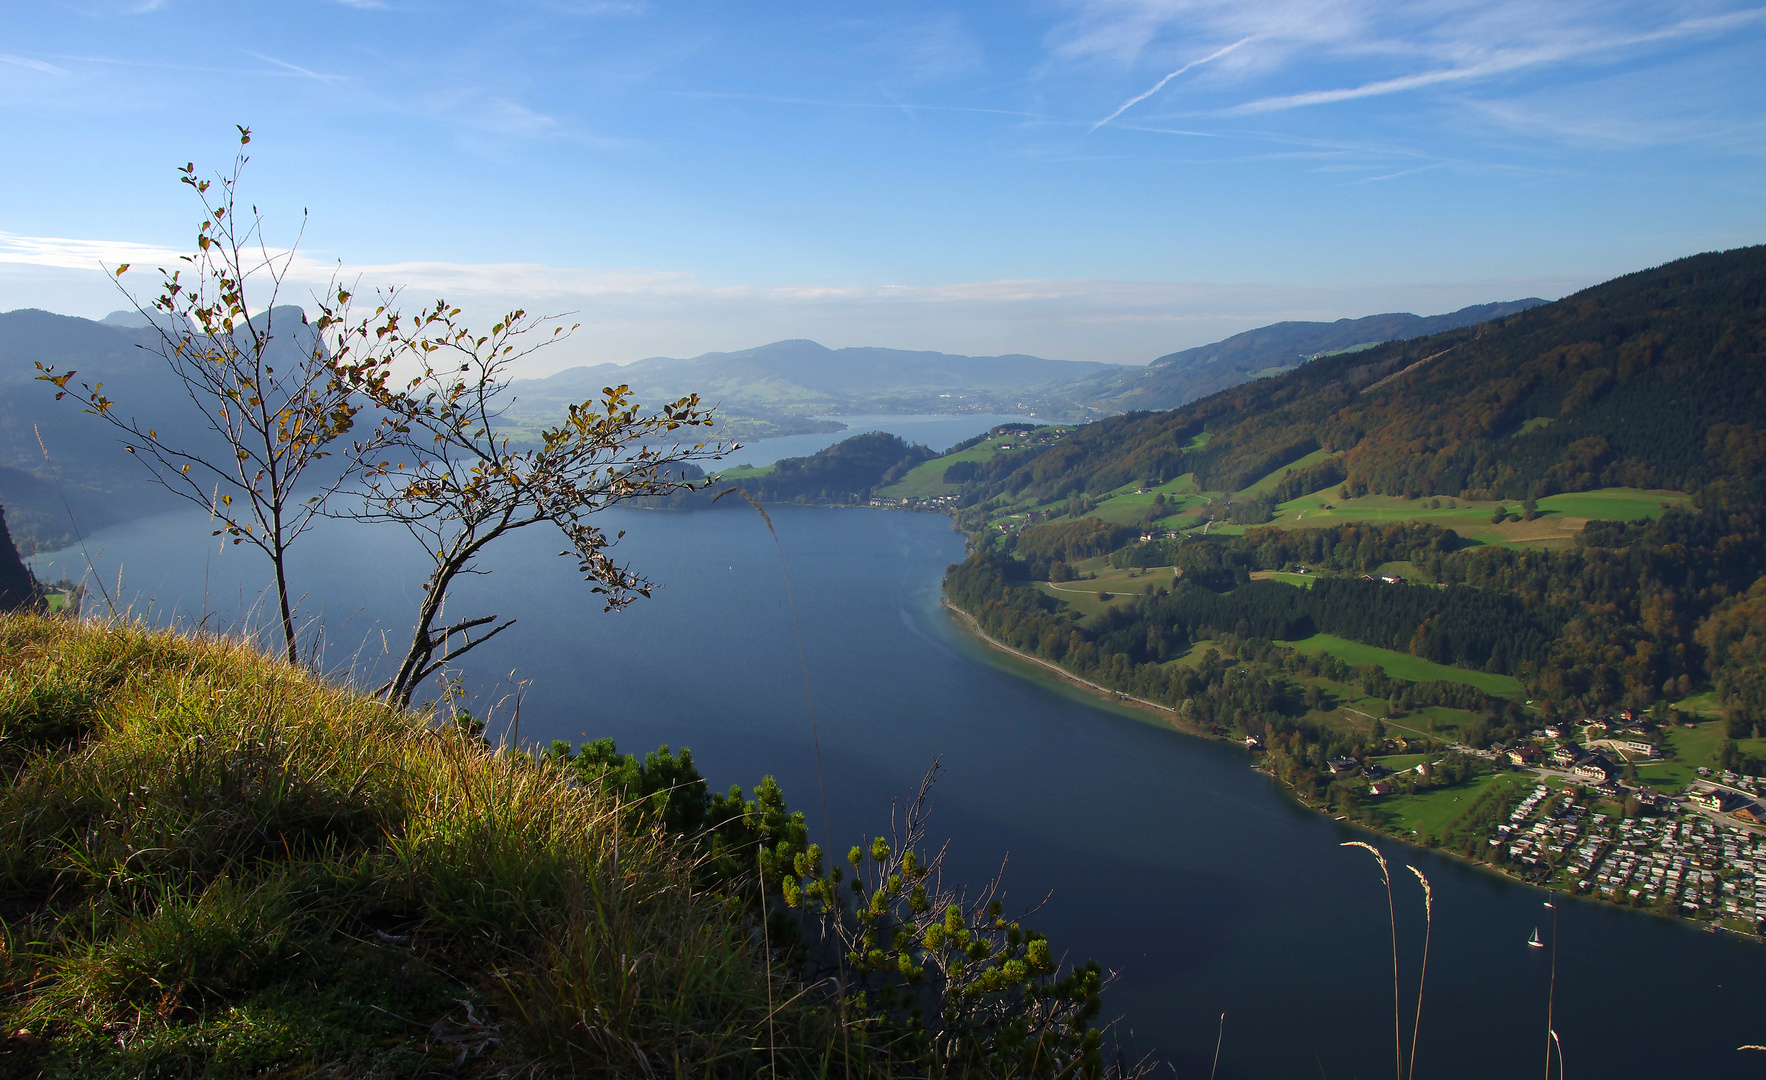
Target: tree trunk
point(287, 612)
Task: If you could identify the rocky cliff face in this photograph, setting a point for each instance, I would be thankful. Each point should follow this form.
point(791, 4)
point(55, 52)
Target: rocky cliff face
point(18, 589)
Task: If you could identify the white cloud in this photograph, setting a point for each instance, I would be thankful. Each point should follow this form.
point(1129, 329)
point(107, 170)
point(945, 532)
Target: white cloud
point(79, 254)
point(33, 65)
point(1160, 85)
point(297, 69)
point(1567, 45)
point(629, 314)
point(1397, 47)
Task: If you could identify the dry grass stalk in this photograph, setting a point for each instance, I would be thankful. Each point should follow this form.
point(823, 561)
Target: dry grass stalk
point(1392, 916)
point(1422, 979)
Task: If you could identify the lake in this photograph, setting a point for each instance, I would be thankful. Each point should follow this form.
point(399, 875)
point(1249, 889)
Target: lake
point(1163, 856)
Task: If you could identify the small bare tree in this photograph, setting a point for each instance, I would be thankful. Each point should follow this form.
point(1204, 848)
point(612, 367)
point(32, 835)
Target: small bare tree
point(464, 482)
point(279, 396)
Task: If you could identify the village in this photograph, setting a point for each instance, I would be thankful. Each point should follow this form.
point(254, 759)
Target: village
point(1590, 827)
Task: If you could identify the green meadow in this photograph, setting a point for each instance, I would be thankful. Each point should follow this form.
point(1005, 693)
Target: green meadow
point(1436, 811)
point(1405, 666)
point(926, 480)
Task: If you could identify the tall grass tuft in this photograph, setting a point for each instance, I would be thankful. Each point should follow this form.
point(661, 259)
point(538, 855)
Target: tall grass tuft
point(212, 864)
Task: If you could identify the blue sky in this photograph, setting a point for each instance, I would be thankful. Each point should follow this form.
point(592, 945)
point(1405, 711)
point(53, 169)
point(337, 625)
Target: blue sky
point(1095, 179)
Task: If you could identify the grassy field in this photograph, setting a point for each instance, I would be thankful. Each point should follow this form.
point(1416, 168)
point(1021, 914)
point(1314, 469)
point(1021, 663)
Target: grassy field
point(1128, 505)
point(1193, 655)
point(1130, 508)
point(1268, 483)
point(1612, 504)
point(926, 480)
point(1692, 748)
point(1305, 581)
point(1447, 722)
point(1434, 812)
point(1560, 518)
point(1404, 666)
point(1400, 762)
point(1401, 569)
point(1704, 704)
point(1123, 585)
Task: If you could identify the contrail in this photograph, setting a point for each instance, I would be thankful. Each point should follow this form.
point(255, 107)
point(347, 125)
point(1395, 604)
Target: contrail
point(1160, 85)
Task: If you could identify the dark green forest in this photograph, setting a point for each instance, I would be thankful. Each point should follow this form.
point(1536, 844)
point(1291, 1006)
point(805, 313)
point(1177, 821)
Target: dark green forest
point(1632, 614)
point(848, 471)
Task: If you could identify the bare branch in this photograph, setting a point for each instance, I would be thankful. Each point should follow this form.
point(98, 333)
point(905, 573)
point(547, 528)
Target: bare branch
point(279, 397)
point(453, 476)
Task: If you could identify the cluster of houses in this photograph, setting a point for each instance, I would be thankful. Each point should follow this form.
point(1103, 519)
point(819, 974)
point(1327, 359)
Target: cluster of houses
point(1704, 867)
point(1611, 742)
point(1735, 804)
point(1702, 856)
point(1379, 782)
point(915, 502)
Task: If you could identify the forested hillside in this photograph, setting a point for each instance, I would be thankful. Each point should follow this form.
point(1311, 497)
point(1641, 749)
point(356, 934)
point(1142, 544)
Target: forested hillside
point(846, 472)
point(1654, 383)
point(1653, 380)
point(1179, 378)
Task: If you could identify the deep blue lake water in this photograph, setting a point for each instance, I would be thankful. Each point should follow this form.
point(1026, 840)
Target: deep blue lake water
point(1163, 856)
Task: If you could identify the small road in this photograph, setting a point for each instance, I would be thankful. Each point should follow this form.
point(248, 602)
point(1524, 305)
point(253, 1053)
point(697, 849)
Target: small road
point(1094, 589)
point(1402, 727)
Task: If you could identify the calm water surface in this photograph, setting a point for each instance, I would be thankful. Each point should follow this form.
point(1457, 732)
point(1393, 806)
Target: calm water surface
point(1161, 855)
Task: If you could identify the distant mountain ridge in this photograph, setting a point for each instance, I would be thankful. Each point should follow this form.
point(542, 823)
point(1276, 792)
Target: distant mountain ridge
point(1656, 379)
point(780, 388)
point(51, 450)
point(1178, 378)
point(799, 376)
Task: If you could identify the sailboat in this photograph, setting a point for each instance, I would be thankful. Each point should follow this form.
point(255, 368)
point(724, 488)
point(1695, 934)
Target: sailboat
point(1534, 940)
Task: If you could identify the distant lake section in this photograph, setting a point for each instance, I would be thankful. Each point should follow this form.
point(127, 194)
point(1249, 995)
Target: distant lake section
point(1165, 857)
point(936, 431)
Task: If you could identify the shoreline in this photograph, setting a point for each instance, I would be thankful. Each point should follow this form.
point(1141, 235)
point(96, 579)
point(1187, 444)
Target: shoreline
point(1118, 696)
point(1175, 723)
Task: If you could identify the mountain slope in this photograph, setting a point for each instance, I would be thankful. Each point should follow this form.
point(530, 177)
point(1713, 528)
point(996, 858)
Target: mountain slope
point(1655, 379)
point(44, 442)
point(1178, 378)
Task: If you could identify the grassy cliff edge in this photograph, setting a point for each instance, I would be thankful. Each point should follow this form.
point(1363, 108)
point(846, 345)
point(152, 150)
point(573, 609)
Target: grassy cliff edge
point(212, 864)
